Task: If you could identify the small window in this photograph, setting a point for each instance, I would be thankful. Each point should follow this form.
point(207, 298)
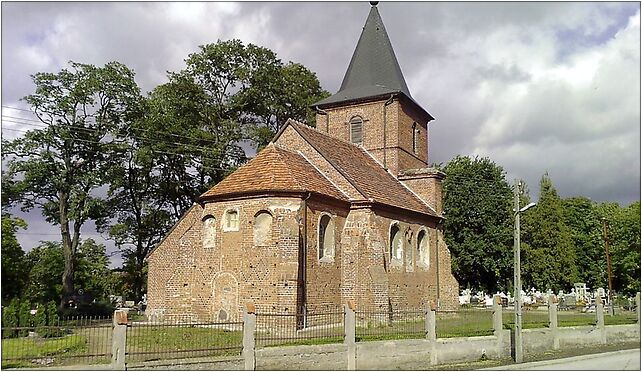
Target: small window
point(209, 232)
point(231, 220)
point(422, 249)
point(356, 130)
point(262, 228)
point(415, 132)
point(326, 238)
point(396, 244)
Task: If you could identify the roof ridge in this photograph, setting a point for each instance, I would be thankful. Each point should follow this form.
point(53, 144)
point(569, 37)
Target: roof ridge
point(402, 184)
point(323, 174)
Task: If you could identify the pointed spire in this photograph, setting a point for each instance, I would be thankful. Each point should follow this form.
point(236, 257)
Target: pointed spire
point(373, 69)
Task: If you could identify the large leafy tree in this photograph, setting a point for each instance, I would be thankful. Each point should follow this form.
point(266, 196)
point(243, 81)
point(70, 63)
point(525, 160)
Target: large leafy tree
point(14, 276)
point(547, 249)
point(59, 168)
point(478, 226)
point(583, 221)
point(46, 264)
point(624, 242)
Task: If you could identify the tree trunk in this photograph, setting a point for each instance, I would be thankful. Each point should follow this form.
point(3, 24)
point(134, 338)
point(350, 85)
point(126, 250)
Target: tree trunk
point(67, 252)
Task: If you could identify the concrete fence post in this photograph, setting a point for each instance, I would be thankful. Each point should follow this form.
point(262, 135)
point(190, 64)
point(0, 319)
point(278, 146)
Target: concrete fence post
point(431, 330)
point(552, 321)
point(350, 341)
point(599, 314)
point(430, 324)
point(498, 323)
point(118, 341)
point(249, 342)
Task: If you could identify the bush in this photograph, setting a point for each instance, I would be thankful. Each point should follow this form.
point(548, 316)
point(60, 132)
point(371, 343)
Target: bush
point(10, 319)
point(94, 309)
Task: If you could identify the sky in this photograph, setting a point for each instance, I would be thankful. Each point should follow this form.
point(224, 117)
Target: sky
point(536, 87)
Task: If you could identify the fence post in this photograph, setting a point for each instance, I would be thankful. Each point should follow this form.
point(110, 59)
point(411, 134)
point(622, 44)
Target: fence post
point(249, 328)
point(119, 339)
point(431, 331)
point(599, 313)
point(430, 324)
point(498, 323)
point(350, 332)
point(552, 321)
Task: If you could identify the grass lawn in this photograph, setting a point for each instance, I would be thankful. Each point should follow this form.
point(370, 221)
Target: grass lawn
point(32, 348)
point(149, 342)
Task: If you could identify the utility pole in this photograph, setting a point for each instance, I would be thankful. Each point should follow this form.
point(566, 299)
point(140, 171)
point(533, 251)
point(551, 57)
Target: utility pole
point(517, 280)
point(608, 264)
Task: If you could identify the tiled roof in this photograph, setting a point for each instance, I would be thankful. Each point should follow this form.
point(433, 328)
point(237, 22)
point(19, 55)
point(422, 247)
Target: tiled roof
point(360, 169)
point(275, 169)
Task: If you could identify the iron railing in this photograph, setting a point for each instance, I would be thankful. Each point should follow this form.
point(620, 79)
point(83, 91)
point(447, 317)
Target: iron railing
point(380, 323)
point(181, 338)
point(464, 323)
point(299, 329)
point(66, 341)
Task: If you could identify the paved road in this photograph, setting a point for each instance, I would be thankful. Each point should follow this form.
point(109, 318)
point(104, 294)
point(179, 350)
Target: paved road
point(624, 360)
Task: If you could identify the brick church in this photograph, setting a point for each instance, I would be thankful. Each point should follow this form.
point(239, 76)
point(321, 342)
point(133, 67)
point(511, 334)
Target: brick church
point(348, 210)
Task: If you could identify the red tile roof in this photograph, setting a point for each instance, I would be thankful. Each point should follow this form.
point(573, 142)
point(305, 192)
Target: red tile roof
point(362, 171)
point(275, 169)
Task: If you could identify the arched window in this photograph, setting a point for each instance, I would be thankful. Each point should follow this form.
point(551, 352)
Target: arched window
point(396, 243)
point(209, 231)
point(231, 220)
point(326, 238)
point(422, 249)
point(356, 130)
point(262, 228)
point(415, 132)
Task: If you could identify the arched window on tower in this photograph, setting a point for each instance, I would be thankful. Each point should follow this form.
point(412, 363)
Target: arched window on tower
point(422, 249)
point(356, 130)
point(262, 228)
point(326, 238)
point(209, 231)
point(396, 244)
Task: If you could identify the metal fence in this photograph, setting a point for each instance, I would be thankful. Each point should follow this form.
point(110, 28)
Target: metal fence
point(299, 329)
point(464, 323)
point(67, 341)
point(386, 324)
point(179, 338)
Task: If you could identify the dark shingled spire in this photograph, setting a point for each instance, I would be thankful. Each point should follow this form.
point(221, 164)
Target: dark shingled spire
point(373, 69)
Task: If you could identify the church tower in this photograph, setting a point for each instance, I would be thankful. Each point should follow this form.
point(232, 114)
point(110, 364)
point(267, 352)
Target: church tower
point(374, 107)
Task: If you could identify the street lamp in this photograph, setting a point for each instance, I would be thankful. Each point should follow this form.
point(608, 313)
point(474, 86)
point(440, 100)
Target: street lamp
point(517, 284)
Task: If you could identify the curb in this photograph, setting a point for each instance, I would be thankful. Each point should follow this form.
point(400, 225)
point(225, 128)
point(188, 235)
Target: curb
point(516, 366)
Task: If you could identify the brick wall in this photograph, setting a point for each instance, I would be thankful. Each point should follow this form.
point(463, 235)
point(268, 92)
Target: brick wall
point(399, 120)
point(187, 278)
point(427, 184)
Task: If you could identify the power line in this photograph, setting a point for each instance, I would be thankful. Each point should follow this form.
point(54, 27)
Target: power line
point(141, 129)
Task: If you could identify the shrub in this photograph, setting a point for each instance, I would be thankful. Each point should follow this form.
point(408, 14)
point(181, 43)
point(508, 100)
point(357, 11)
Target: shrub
point(94, 309)
point(10, 319)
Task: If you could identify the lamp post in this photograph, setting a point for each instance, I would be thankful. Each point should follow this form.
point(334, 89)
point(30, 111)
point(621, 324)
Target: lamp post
point(517, 280)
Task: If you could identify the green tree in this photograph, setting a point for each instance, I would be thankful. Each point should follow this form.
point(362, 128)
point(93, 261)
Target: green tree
point(14, 269)
point(58, 168)
point(548, 255)
point(92, 269)
point(624, 244)
point(581, 217)
point(46, 265)
point(478, 226)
